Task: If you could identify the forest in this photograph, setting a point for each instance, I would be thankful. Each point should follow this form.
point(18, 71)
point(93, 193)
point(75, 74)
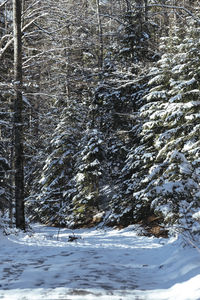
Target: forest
point(99, 114)
point(99, 149)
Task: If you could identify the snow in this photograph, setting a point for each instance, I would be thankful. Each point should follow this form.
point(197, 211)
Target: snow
point(26, 101)
point(156, 95)
point(196, 215)
point(101, 264)
point(80, 177)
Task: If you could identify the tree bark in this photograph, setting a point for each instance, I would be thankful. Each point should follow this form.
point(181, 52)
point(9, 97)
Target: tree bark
point(18, 122)
point(146, 10)
point(100, 35)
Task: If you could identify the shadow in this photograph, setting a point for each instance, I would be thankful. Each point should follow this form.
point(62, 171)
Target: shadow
point(114, 263)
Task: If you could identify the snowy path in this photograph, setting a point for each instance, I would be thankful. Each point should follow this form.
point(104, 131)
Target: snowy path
point(100, 265)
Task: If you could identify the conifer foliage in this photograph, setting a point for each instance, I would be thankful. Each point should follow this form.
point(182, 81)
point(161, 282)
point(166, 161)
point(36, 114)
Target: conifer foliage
point(55, 188)
point(89, 172)
point(111, 100)
point(163, 170)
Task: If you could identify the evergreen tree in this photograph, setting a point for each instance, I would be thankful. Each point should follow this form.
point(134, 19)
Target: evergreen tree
point(164, 167)
point(86, 202)
point(56, 185)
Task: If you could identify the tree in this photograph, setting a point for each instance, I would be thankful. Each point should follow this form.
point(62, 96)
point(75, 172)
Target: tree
point(88, 174)
point(161, 171)
point(18, 122)
point(173, 106)
point(51, 194)
point(4, 195)
point(84, 79)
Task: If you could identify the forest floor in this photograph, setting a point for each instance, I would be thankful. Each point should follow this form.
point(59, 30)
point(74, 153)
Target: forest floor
point(101, 264)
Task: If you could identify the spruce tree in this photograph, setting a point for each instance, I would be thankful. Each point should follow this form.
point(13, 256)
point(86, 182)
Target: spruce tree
point(164, 167)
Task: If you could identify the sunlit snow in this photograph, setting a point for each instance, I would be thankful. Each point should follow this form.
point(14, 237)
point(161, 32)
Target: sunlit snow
point(100, 264)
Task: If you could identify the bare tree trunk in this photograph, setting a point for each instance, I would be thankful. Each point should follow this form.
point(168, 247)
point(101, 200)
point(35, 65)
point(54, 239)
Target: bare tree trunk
point(100, 34)
point(18, 123)
point(146, 10)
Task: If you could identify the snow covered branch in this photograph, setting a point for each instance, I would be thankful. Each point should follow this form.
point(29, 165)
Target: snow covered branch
point(2, 4)
point(172, 7)
point(5, 48)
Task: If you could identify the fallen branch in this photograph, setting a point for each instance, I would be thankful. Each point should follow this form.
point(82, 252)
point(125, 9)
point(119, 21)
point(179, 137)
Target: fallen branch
point(73, 238)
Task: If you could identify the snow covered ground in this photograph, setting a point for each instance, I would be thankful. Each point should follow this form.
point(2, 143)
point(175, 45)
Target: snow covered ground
point(102, 264)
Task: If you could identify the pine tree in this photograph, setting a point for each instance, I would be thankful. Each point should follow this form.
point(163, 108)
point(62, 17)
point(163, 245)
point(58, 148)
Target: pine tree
point(86, 202)
point(56, 186)
point(164, 167)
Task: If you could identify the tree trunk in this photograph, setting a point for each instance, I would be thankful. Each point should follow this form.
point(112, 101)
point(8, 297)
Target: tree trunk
point(100, 36)
point(18, 123)
point(146, 10)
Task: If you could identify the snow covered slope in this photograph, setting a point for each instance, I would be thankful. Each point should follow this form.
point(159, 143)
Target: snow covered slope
point(100, 264)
